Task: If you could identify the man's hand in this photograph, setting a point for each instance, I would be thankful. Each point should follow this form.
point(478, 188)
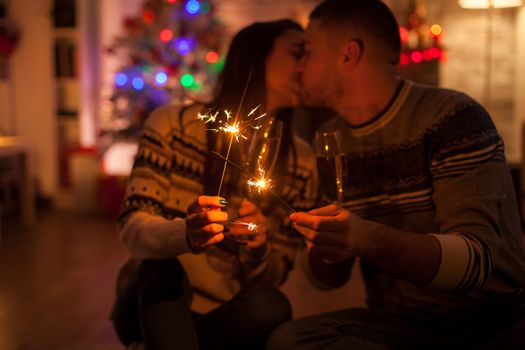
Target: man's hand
point(204, 222)
point(254, 236)
point(334, 233)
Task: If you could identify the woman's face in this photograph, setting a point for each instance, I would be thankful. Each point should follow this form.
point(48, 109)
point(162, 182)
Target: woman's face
point(282, 78)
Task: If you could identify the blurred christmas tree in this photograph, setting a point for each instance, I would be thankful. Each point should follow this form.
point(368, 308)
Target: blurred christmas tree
point(170, 53)
point(421, 46)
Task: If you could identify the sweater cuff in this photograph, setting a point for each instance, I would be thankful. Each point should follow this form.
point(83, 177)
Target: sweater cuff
point(454, 264)
point(149, 236)
point(174, 238)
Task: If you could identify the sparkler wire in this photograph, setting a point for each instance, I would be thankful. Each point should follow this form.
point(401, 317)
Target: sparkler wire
point(251, 175)
point(234, 123)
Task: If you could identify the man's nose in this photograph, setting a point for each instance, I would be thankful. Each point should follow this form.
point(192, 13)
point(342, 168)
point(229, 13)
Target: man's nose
point(299, 67)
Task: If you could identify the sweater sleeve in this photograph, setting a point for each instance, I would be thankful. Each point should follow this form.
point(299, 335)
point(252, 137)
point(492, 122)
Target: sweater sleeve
point(471, 181)
point(151, 223)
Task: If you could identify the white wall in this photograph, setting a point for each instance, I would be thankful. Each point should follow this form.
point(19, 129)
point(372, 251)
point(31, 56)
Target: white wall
point(240, 13)
point(519, 92)
point(6, 118)
point(32, 88)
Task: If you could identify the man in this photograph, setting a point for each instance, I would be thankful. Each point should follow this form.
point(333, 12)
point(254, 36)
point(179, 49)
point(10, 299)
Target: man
point(430, 209)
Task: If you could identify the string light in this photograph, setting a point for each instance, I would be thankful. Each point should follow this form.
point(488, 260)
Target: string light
point(121, 79)
point(416, 56)
point(436, 29)
point(212, 57)
point(148, 16)
point(166, 35)
point(193, 7)
point(205, 8)
point(183, 45)
point(187, 80)
point(138, 83)
point(161, 78)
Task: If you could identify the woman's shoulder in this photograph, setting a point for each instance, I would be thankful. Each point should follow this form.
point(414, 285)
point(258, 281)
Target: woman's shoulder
point(172, 117)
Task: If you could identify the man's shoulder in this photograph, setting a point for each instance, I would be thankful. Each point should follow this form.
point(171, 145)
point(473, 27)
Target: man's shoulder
point(440, 95)
point(439, 104)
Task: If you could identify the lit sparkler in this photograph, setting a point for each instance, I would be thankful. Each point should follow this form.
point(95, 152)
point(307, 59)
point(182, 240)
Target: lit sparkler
point(252, 226)
point(237, 129)
point(264, 184)
point(261, 183)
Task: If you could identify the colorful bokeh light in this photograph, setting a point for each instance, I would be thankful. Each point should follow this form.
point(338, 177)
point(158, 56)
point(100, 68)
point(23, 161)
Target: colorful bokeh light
point(193, 7)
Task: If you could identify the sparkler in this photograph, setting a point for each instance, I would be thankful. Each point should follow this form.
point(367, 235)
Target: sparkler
point(260, 183)
point(237, 129)
point(266, 181)
point(251, 225)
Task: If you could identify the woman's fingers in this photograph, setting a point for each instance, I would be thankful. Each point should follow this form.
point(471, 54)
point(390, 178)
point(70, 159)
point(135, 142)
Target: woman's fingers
point(205, 217)
point(206, 202)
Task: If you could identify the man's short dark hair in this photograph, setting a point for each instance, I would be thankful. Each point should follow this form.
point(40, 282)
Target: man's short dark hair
point(370, 16)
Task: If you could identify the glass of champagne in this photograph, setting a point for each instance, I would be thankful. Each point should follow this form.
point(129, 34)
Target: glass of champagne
point(259, 160)
point(264, 148)
point(331, 165)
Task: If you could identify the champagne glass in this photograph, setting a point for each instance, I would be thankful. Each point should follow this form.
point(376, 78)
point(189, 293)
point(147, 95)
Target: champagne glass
point(262, 153)
point(264, 148)
point(331, 165)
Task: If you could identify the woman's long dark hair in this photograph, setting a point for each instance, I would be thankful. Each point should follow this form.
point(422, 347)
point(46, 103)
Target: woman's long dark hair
point(246, 60)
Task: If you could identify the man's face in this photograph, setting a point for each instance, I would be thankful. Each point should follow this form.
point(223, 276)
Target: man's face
point(317, 67)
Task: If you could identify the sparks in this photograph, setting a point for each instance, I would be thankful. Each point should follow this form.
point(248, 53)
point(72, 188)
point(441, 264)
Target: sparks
point(250, 225)
point(253, 110)
point(237, 129)
point(260, 183)
point(208, 118)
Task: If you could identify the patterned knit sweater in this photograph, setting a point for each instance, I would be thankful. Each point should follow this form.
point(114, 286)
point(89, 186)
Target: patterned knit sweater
point(433, 163)
point(168, 176)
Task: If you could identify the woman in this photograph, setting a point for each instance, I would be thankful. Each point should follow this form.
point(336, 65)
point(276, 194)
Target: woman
point(179, 236)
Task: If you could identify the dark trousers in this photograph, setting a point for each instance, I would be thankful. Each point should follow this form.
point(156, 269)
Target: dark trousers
point(497, 326)
point(154, 309)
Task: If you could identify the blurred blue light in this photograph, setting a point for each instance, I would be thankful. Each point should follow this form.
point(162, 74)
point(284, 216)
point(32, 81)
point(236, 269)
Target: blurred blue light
point(161, 78)
point(193, 7)
point(138, 83)
point(183, 46)
point(121, 79)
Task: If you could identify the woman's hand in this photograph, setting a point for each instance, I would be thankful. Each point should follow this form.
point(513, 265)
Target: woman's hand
point(204, 222)
point(251, 226)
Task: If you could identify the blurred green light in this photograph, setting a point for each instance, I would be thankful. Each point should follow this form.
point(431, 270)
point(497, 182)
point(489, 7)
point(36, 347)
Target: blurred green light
point(197, 86)
point(147, 68)
point(205, 7)
point(187, 80)
point(219, 65)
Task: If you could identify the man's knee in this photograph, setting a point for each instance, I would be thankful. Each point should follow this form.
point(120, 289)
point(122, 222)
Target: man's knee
point(269, 306)
point(283, 336)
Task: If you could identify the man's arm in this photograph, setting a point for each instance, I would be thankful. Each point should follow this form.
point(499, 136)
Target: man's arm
point(342, 235)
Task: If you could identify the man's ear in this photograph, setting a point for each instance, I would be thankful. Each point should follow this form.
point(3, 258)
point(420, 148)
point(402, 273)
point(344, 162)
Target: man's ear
point(352, 53)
